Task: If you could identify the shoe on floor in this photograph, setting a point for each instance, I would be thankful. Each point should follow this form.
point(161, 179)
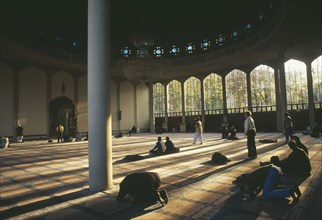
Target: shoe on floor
point(164, 196)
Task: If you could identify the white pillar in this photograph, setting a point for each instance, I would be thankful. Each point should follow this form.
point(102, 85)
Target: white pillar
point(202, 96)
point(151, 113)
point(310, 92)
point(183, 108)
point(279, 116)
point(249, 92)
point(99, 113)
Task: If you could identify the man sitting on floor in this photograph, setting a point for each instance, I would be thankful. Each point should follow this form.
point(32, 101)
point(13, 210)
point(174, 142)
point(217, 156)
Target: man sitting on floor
point(159, 147)
point(170, 148)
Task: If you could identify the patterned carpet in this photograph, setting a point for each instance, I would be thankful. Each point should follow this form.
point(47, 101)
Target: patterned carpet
point(41, 180)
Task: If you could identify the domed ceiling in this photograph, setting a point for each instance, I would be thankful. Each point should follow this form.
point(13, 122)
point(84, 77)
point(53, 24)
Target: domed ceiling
point(63, 24)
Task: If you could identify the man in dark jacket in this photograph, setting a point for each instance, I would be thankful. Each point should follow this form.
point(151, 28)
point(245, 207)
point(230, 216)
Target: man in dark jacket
point(170, 148)
point(143, 188)
point(297, 163)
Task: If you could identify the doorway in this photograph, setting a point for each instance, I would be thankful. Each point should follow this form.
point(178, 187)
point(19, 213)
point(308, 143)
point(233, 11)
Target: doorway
point(62, 111)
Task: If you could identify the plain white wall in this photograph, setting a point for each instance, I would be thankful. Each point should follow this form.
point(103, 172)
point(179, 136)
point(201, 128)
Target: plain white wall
point(7, 124)
point(142, 93)
point(82, 110)
point(58, 79)
point(32, 113)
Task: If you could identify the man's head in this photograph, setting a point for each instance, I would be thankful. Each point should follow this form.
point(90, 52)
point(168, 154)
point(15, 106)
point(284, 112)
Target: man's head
point(159, 138)
point(295, 138)
point(292, 144)
point(275, 160)
point(167, 138)
point(248, 113)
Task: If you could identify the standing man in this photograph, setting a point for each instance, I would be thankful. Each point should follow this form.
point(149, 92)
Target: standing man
point(250, 132)
point(60, 133)
point(288, 127)
point(19, 131)
point(198, 131)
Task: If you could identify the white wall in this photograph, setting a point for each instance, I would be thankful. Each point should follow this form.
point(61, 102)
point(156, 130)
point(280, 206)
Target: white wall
point(114, 105)
point(82, 104)
point(127, 105)
point(32, 112)
point(142, 93)
point(6, 101)
point(32, 109)
point(58, 79)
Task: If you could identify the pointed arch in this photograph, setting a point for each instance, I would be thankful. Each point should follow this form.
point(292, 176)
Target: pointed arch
point(263, 87)
point(158, 100)
point(317, 79)
point(192, 89)
point(296, 84)
point(236, 90)
point(213, 92)
point(174, 97)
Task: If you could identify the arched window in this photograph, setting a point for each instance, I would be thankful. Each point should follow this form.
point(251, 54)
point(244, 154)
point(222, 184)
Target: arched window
point(158, 100)
point(213, 94)
point(192, 95)
point(236, 91)
point(174, 97)
point(296, 85)
point(263, 89)
point(317, 81)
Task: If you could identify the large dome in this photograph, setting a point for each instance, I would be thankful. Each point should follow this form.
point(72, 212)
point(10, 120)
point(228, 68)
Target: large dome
point(63, 24)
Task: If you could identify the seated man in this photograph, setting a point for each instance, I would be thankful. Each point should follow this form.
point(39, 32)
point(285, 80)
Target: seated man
point(170, 148)
point(159, 148)
point(132, 130)
point(224, 133)
point(300, 144)
point(297, 163)
point(232, 135)
point(142, 188)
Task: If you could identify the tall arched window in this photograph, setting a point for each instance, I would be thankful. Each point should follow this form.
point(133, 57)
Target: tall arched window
point(158, 100)
point(263, 88)
point(192, 95)
point(236, 91)
point(174, 97)
point(213, 94)
point(317, 81)
point(296, 85)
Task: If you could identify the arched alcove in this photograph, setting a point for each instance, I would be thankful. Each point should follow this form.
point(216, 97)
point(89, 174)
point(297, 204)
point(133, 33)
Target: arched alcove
point(62, 111)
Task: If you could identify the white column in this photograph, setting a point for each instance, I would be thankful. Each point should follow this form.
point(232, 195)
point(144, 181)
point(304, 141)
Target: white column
point(99, 112)
point(283, 99)
point(202, 96)
point(249, 92)
point(310, 92)
point(118, 100)
point(278, 100)
point(151, 113)
point(225, 113)
point(135, 87)
point(183, 100)
point(165, 124)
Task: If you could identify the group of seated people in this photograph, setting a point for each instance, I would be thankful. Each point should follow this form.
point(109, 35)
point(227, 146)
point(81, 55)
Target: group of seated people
point(161, 147)
point(313, 131)
point(267, 176)
point(144, 187)
point(230, 133)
